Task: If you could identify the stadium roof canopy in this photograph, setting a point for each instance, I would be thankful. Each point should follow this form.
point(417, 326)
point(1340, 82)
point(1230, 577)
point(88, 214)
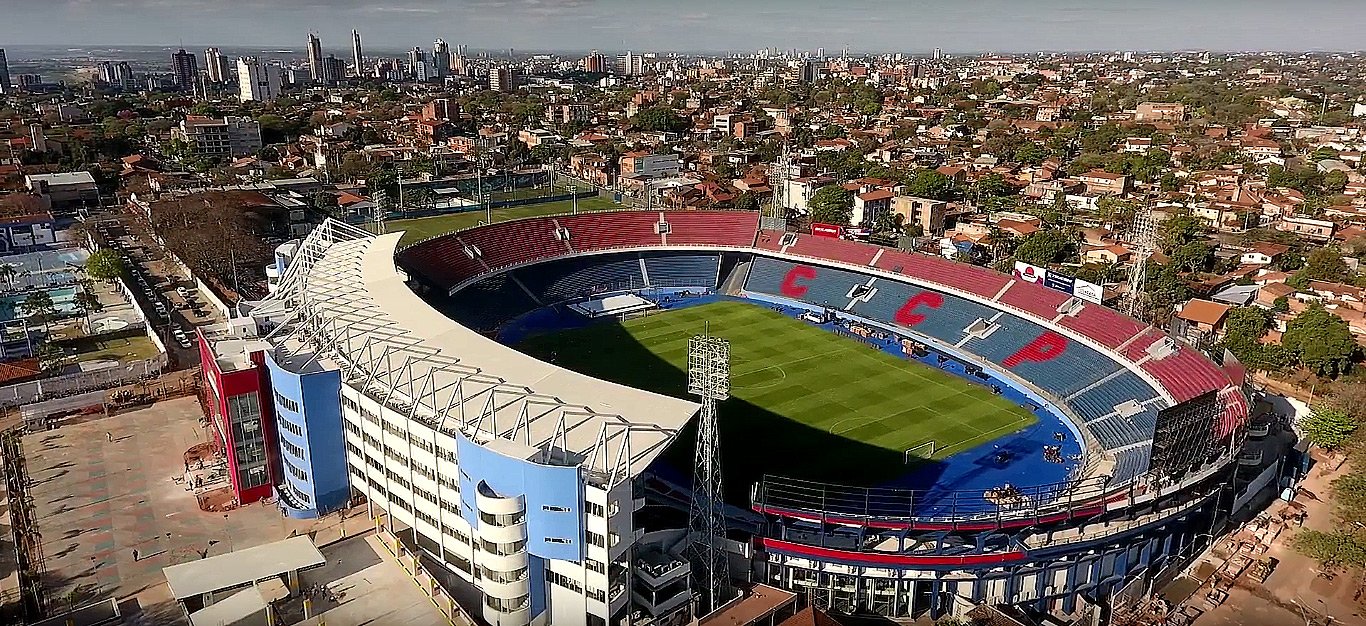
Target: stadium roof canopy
point(344, 302)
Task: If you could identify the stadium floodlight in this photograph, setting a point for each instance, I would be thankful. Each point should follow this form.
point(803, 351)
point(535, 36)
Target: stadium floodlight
point(709, 367)
point(709, 378)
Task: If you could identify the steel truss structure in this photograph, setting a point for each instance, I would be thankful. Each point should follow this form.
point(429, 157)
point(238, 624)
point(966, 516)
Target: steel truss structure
point(323, 314)
point(709, 379)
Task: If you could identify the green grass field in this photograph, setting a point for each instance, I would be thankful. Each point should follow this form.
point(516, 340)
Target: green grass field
point(806, 403)
point(425, 227)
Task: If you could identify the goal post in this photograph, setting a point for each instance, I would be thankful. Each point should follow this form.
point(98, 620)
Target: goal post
point(913, 452)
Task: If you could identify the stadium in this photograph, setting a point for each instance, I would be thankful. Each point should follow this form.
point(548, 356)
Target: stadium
point(905, 435)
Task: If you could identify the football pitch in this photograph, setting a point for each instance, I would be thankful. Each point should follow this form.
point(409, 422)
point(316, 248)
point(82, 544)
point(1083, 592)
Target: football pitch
point(806, 403)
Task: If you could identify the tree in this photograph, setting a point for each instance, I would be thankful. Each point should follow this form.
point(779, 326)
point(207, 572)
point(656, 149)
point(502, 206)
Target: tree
point(1328, 427)
point(747, 201)
point(1324, 264)
point(1243, 332)
point(1193, 256)
point(1044, 247)
point(831, 204)
point(87, 302)
point(1281, 304)
point(931, 184)
point(1321, 341)
point(659, 119)
point(1330, 549)
point(1180, 229)
point(39, 304)
point(104, 264)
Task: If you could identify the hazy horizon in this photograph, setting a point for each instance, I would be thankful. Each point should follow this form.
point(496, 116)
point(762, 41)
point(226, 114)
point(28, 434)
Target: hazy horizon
point(696, 26)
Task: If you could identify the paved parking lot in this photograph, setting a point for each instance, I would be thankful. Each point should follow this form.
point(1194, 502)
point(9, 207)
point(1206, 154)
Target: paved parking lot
point(98, 501)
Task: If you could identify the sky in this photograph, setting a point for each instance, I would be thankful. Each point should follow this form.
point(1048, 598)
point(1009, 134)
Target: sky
point(698, 25)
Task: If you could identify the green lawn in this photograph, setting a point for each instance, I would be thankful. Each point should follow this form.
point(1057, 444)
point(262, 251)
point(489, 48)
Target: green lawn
point(125, 350)
point(425, 227)
point(805, 403)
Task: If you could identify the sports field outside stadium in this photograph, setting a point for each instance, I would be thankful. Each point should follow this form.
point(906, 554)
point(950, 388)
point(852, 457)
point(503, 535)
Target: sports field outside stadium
point(806, 403)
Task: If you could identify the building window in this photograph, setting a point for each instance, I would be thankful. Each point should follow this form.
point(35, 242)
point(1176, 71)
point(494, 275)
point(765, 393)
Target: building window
point(291, 427)
point(593, 509)
point(595, 539)
point(292, 449)
point(503, 520)
point(294, 471)
point(285, 403)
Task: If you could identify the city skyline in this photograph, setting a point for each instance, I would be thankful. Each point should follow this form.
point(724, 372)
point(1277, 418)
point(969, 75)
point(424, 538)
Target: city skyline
point(700, 26)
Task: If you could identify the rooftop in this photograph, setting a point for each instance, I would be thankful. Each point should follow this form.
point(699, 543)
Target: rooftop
point(435, 366)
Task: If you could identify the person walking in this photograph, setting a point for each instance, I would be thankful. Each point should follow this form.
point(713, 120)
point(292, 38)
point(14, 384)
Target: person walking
point(109, 435)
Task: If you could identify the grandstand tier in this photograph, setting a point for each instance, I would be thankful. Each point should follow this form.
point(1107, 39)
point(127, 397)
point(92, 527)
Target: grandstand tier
point(1091, 361)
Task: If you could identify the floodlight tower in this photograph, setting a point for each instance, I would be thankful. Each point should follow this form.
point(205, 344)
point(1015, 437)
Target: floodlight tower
point(1143, 235)
point(708, 378)
point(782, 170)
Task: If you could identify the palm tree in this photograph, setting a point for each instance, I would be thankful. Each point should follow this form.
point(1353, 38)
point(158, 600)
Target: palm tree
point(8, 274)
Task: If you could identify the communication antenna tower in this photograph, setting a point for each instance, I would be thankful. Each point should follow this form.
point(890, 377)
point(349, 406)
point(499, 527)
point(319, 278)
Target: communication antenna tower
point(708, 378)
point(777, 179)
point(1143, 237)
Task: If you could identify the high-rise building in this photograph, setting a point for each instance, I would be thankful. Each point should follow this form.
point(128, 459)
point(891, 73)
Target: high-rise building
point(415, 56)
point(118, 74)
point(184, 69)
point(630, 64)
point(441, 58)
point(4, 73)
point(356, 57)
point(315, 57)
point(595, 63)
point(810, 73)
point(333, 70)
point(256, 80)
point(216, 65)
point(503, 79)
point(938, 54)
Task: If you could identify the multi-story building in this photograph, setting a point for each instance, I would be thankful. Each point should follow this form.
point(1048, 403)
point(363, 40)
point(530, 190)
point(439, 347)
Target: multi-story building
point(441, 58)
point(630, 64)
point(416, 57)
point(595, 63)
point(333, 70)
point(228, 138)
point(357, 57)
point(647, 165)
point(238, 399)
point(184, 69)
point(118, 74)
point(315, 58)
point(256, 80)
point(568, 114)
point(925, 214)
point(4, 73)
point(532, 517)
point(216, 65)
point(503, 79)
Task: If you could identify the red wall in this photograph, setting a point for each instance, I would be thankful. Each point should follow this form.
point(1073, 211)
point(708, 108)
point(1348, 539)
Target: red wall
point(251, 380)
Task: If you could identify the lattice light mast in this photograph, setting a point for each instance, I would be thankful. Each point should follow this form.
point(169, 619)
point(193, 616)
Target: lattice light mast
point(1143, 236)
point(708, 378)
point(777, 179)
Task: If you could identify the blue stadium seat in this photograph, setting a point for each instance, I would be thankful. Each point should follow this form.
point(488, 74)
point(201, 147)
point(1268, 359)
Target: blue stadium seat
point(1130, 463)
point(830, 287)
point(1101, 400)
point(499, 300)
point(1067, 373)
point(945, 323)
point(581, 277)
point(683, 270)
